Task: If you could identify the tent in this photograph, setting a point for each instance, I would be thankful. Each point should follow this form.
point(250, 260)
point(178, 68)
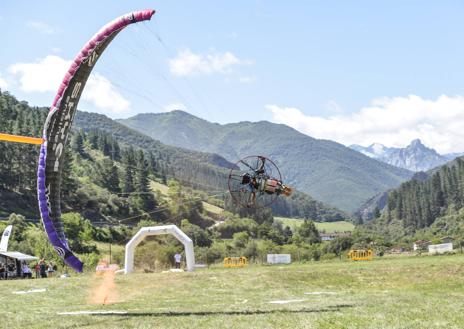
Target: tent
point(12, 260)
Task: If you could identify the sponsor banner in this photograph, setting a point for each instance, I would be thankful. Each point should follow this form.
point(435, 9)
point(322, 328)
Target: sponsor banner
point(440, 248)
point(279, 258)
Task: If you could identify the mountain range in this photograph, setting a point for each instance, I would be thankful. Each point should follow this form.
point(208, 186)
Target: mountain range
point(326, 170)
point(96, 144)
point(415, 157)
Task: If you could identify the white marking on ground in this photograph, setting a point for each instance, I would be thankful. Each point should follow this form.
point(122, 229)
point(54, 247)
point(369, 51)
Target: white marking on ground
point(174, 270)
point(320, 293)
point(288, 301)
point(242, 301)
point(91, 312)
point(29, 291)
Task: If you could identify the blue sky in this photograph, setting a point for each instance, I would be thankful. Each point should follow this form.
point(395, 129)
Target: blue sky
point(351, 71)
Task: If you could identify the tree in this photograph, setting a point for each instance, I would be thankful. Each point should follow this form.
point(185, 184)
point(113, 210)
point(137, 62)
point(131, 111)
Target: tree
point(288, 234)
point(309, 232)
point(77, 143)
point(376, 212)
point(128, 161)
point(241, 239)
point(19, 226)
point(108, 175)
point(79, 232)
point(199, 236)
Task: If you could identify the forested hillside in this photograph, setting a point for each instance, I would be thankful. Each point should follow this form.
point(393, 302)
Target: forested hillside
point(108, 162)
point(200, 170)
point(429, 206)
point(18, 162)
point(418, 203)
point(328, 171)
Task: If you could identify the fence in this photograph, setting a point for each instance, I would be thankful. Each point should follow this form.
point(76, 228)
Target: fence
point(235, 262)
point(360, 255)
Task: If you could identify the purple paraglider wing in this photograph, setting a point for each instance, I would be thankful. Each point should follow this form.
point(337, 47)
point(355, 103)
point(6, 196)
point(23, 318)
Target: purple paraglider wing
point(57, 128)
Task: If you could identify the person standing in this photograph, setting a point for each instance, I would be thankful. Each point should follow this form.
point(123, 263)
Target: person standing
point(50, 270)
point(26, 271)
point(2, 271)
point(43, 268)
point(37, 270)
point(177, 259)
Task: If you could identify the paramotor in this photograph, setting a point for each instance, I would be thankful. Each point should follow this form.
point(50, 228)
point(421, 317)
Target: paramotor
point(255, 181)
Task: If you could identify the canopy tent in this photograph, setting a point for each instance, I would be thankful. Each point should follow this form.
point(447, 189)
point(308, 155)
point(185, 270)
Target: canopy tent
point(18, 255)
point(12, 261)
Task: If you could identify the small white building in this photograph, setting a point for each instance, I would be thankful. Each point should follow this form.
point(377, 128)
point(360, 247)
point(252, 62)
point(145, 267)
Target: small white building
point(333, 235)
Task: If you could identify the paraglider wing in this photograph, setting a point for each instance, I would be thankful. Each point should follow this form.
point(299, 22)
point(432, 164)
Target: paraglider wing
point(58, 125)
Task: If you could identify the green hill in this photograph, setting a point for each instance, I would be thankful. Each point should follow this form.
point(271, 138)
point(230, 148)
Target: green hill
point(326, 170)
point(204, 171)
point(419, 202)
point(96, 143)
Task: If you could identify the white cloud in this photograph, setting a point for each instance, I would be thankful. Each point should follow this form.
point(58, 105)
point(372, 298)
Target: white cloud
point(391, 121)
point(3, 83)
point(188, 63)
point(46, 75)
point(247, 79)
point(102, 94)
point(41, 27)
point(42, 76)
point(175, 106)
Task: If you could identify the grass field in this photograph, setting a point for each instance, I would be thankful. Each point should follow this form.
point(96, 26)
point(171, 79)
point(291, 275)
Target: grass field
point(212, 208)
point(164, 189)
point(155, 186)
point(341, 226)
point(403, 292)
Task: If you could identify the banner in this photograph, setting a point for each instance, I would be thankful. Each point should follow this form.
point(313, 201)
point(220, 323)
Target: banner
point(440, 248)
point(5, 237)
point(279, 258)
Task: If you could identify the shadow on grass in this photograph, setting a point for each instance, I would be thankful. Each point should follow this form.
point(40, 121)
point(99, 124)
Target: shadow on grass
point(333, 308)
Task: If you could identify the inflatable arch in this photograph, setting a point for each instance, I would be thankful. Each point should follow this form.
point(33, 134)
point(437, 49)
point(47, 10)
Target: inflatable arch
point(157, 230)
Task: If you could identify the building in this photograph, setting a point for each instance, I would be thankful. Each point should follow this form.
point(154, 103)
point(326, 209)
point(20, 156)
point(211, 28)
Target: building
point(421, 245)
point(334, 235)
point(447, 239)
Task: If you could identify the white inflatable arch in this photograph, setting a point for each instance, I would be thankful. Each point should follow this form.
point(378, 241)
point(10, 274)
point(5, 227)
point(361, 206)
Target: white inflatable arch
point(157, 230)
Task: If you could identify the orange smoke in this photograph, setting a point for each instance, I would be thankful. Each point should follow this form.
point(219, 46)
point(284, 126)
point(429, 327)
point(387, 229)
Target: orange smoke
point(104, 292)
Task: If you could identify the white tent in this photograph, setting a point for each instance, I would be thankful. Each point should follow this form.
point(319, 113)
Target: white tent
point(18, 255)
point(157, 230)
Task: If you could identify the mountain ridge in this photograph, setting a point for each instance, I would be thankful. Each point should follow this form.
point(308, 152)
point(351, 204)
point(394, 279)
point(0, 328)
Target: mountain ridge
point(326, 170)
point(415, 156)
